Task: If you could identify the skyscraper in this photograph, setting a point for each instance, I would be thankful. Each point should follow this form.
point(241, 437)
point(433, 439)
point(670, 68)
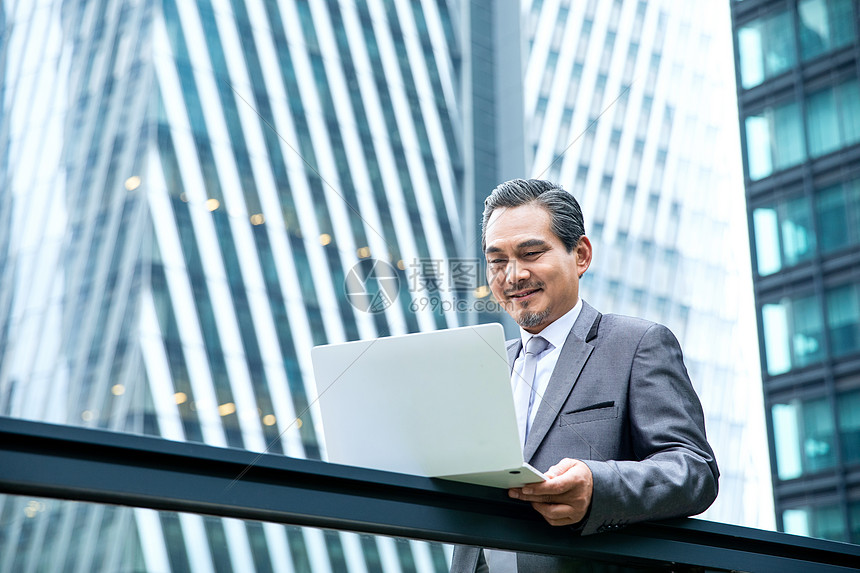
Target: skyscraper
point(799, 104)
point(193, 194)
point(188, 184)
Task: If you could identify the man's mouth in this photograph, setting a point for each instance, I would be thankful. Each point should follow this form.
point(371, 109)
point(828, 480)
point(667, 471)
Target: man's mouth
point(523, 293)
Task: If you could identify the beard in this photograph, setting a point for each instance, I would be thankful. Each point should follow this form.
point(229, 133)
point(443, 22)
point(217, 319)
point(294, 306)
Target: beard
point(533, 319)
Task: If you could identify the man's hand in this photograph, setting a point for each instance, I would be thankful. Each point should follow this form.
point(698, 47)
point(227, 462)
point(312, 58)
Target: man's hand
point(565, 497)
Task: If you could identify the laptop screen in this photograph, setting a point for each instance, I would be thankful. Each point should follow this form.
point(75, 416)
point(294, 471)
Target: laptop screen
point(432, 404)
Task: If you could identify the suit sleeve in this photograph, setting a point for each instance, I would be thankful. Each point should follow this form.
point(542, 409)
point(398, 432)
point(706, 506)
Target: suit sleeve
point(674, 473)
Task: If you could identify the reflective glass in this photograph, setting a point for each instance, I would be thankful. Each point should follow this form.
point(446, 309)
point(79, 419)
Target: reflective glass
point(789, 147)
point(843, 319)
point(793, 330)
point(808, 328)
point(776, 339)
point(798, 238)
point(767, 48)
point(759, 156)
point(854, 519)
point(803, 437)
point(775, 140)
point(824, 26)
point(848, 96)
point(838, 212)
point(767, 249)
point(848, 414)
point(833, 118)
point(786, 434)
point(783, 235)
point(825, 522)
point(823, 121)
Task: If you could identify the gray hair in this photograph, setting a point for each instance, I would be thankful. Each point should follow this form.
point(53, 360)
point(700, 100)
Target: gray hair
point(566, 221)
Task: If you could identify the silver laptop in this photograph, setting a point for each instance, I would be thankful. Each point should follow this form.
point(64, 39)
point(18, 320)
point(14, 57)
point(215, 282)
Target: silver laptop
point(436, 404)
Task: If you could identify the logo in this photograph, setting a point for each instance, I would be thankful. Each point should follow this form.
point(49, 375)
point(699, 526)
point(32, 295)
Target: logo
point(372, 285)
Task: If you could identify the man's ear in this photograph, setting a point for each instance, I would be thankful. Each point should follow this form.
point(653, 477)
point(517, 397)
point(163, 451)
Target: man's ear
point(584, 253)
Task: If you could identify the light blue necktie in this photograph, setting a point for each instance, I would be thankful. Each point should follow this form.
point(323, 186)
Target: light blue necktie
point(524, 399)
point(524, 384)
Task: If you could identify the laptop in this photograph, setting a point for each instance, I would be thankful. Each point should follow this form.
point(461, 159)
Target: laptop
point(435, 404)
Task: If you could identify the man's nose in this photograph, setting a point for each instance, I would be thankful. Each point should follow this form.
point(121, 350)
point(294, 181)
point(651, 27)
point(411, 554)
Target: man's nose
point(516, 272)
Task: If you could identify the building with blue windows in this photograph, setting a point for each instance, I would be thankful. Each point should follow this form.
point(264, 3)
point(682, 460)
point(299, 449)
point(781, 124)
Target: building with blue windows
point(799, 101)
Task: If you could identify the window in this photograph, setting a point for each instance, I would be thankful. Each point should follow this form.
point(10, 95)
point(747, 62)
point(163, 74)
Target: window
point(783, 235)
point(792, 334)
point(837, 210)
point(766, 48)
point(833, 118)
point(635, 162)
point(825, 25)
point(774, 140)
point(612, 150)
point(803, 434)
point(848, 414)
point(843, 319)
point(825, 522)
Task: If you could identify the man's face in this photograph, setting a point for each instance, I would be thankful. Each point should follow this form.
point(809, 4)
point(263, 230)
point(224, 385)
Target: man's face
point(529, 270)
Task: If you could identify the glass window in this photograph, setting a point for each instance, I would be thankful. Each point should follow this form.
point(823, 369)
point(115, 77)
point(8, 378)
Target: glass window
point(837, 209)
point(848, 100)
point(825, 25)
point(759, 157)
point(792, 334)
point(843, 319)
point(803, 437)
point(766, 48)
point(774, 140)
point(833, 118)
point(854, 518)
point(848, 414)
point(783, 235)
point(789, 148)
point(825, 522)
point(823, 122)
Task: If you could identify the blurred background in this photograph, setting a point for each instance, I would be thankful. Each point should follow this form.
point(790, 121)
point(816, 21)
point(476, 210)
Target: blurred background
point(194, 193)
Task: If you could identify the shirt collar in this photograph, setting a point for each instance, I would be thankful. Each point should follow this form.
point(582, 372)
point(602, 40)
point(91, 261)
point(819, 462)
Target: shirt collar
point(556, 332)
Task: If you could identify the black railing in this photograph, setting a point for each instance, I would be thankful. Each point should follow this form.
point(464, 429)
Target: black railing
point(73, 463)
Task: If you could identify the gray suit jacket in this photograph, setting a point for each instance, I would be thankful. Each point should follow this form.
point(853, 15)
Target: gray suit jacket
point(620, 400)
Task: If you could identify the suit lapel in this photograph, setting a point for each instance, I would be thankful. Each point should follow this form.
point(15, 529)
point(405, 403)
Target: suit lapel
point(574, 354)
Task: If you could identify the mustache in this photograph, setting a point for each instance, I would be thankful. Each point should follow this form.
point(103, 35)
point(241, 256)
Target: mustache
point(524, 286)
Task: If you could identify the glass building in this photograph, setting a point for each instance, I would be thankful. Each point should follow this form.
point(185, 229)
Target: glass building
point(185, 188)
point(195, 193)
point(799, 103)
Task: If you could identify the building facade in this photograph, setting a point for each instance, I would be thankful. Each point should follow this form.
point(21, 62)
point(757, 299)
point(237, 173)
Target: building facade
point(194, 194)
point(799, 103)
point(188, 185)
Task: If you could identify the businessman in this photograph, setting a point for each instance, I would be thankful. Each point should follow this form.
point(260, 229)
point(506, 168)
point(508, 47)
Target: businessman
point(604, 403)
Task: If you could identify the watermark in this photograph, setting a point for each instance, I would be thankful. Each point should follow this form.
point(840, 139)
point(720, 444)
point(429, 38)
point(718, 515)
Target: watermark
point(438, 304)
point(438, 285)
point(372, 285)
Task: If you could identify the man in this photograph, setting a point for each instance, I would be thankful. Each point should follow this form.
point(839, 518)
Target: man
point(612, 419)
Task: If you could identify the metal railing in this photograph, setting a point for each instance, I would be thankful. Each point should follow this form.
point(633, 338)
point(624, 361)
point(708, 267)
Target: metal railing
point(44, 460)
